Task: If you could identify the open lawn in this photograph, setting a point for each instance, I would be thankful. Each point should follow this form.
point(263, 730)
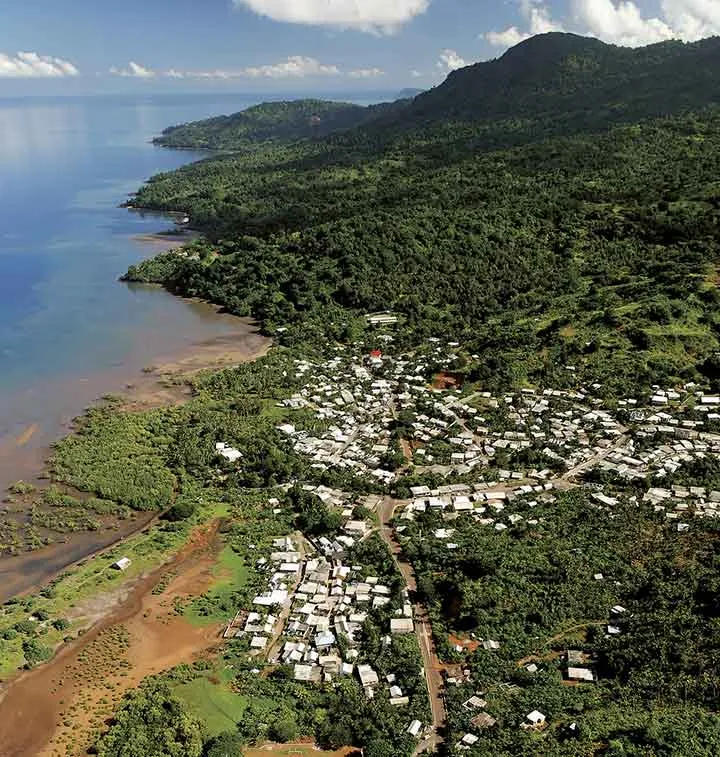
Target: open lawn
point(215, 705)
point(231, 573)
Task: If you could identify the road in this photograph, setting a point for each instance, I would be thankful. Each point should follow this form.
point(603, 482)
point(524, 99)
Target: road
point(423, 630)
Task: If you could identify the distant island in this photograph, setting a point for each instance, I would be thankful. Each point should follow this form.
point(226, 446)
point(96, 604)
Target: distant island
point(468, 502)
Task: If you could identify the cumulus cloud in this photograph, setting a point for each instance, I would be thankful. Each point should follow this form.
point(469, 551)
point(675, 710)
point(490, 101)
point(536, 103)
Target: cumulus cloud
point(133, 70)
point(368, 15)
point(450, 61)
point(293, 67)
point(366, 73)
point(539, 21)
point(620, 22)
point(30, 65)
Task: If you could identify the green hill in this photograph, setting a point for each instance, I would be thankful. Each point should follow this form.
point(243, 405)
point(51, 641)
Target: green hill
point(556, 84)
point(465, 211)
point(274, 121)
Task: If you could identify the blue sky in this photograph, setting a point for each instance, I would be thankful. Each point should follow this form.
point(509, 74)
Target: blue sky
point(72, 46)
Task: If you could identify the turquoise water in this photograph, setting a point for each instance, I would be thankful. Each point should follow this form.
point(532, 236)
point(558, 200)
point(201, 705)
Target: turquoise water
point(65, 166)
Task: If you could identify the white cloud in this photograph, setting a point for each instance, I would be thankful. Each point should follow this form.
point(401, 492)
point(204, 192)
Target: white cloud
point(32, 65)
point(366, 73)
point(294, 66)
point(134, 70)
point(450, 61)
point(538, 19)
point(416, 74)
point(367, 15)
point(619, 22)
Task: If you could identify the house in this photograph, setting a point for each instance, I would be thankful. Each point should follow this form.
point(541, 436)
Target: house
point(122, 564)
point(303, 673)
point(581, 674)
point(324, 640)
point(474, 703)
point(536, 718)
point(368, 677)
point(483, 720)
point(414, 728)
point(469, 739)
point(401, 625)
point(490, 645)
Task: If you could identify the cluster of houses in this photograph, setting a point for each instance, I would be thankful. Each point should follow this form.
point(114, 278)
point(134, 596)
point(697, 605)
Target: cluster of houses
point(312, 612)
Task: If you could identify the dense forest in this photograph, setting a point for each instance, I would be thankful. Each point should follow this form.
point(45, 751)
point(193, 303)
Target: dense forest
point(596, 249)
point(273, 122)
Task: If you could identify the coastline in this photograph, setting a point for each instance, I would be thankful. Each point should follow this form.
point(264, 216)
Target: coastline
point(159, 383)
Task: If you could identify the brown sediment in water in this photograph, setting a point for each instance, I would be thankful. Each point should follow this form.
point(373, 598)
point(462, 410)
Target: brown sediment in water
point(159, 384)
point(168, 240)
point(135, 634)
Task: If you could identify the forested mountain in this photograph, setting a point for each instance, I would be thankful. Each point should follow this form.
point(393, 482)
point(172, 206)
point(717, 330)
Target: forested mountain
point(271, 121)
point(559, 83)
point(553, 84)
point(597, 248)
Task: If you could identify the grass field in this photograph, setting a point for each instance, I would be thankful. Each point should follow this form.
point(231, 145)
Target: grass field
point(231, 574)
point(215, 705)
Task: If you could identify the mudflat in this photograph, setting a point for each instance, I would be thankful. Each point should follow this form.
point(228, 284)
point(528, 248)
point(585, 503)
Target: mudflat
point(134, 633)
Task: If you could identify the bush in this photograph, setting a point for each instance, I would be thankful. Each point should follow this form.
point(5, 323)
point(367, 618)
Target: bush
point(35, 652)
point(181, 510)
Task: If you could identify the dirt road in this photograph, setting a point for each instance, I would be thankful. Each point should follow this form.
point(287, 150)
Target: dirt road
point(423, 630)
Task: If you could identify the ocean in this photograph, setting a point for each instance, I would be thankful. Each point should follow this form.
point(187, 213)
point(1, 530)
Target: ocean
point(66, 164)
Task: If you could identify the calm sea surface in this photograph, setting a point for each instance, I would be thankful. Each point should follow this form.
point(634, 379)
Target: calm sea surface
point(65, 166)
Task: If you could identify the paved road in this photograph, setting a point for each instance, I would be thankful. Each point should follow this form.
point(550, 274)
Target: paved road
point(423, 630)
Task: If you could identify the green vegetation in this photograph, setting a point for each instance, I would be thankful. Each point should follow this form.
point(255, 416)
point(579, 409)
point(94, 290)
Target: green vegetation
point(213, 704)
point(591, 244)
point(273, 121)
point(152, 723)
point(120, 457)
point(533, 589)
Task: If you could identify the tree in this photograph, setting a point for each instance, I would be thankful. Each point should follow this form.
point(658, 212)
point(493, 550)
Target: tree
point(284, 730)
point(152, 722)
point(227, 744)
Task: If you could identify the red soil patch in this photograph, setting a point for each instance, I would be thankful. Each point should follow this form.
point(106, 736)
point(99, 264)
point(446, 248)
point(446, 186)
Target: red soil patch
point(445, 380)
point(468, 645)
point(59, 708)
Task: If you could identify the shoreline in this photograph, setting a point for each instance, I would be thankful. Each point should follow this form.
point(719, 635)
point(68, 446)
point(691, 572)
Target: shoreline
point(148, 390)
point(25, 455)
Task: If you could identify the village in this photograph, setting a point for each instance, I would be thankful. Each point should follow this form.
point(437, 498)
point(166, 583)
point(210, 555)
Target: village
point(380, 419)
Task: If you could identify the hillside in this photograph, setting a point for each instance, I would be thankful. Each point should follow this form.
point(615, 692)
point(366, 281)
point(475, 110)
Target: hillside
point(544, 230)
point(554, 84)
point(557, 83)
point(273, 121)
